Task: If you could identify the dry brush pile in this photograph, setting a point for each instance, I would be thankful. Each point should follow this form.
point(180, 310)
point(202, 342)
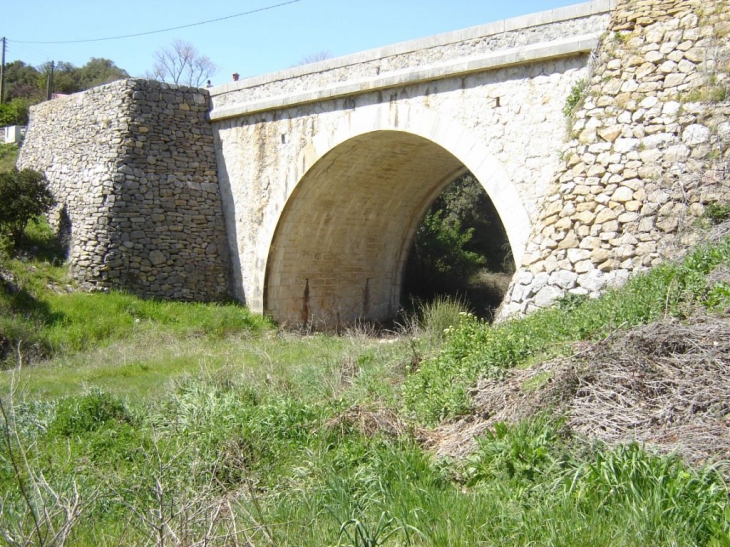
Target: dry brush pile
point(665, 385)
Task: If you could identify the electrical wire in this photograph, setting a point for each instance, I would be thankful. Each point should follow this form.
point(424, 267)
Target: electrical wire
point(160, 30)
point(27, 53)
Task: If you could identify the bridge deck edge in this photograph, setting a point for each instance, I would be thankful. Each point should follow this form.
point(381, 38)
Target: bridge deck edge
point(575, 11)
point(462, 67)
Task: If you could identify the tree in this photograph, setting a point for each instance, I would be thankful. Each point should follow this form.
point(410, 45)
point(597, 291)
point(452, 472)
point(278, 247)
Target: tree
point(65, 77)
point(15, 112)
point(466, 201)
point(460, 236)
point(181, 64)
point(100, 71)
point(26, 85)
point(23, 196)
point(439, 261)
point(23, 81)
point(316, 57)
point(68, 78)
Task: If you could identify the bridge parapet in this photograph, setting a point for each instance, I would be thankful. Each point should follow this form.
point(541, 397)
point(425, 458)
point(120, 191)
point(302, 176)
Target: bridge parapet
point(541, 36)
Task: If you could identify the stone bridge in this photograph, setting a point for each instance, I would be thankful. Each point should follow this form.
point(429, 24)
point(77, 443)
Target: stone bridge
point(327, 169)
point(299, 192)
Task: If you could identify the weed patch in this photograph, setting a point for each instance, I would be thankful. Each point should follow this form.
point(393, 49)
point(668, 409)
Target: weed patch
point(575, 98)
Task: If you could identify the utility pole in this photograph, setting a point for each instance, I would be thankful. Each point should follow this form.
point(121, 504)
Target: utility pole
point(2, 72)
point(49, 86)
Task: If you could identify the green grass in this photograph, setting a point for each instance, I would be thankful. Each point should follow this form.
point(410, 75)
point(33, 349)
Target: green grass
point(289, 478)
point(199, 423)
point(60, 324)
point(439, 389)
point(42, 319)
point(8, 156)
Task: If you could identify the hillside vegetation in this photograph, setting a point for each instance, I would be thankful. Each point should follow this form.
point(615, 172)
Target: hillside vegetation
point(150, 423)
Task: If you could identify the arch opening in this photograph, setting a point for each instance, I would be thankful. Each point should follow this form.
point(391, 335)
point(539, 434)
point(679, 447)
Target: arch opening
point(460, 251)
point(341, 244)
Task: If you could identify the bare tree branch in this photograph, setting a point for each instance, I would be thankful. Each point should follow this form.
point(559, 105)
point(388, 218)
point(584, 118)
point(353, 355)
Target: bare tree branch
point(322, 55)
point(181, 64)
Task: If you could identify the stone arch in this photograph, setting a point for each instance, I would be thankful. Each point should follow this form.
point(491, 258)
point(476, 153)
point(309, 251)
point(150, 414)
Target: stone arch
point(359, 191)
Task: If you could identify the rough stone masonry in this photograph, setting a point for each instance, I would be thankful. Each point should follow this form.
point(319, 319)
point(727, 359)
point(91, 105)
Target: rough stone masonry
point(132, 165)
point(647, 151)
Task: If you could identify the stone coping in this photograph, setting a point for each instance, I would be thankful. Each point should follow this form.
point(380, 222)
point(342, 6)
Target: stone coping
point(459, 67)
point(576, 11)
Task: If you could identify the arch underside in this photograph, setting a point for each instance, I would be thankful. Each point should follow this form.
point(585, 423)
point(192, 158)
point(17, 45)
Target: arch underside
point(342, 241)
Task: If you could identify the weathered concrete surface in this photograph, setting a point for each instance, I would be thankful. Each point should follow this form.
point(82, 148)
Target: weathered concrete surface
point(325, 182)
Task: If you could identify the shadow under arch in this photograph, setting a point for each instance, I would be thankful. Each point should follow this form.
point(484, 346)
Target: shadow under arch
point(341, 241)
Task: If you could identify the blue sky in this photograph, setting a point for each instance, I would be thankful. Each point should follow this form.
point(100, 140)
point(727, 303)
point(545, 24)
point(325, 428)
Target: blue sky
point(252, 44)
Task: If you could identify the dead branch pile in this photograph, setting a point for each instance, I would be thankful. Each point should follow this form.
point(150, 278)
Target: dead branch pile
point(369, 422)
point(666, 385)
point(720, 231)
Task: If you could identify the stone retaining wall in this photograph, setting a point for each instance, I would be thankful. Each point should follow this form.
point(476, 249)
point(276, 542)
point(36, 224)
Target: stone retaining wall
point(648, 151)
point(132, 165)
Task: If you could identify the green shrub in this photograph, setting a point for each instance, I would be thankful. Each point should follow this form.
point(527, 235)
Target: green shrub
point(14, 112)
point(717, 212)
point(23, 195)
point(439, 254)
point(577, 93)
point(6, 247)
point(524, 454)
point(76, 415)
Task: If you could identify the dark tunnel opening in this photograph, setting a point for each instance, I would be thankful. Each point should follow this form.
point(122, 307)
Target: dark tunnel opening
point(460, 251)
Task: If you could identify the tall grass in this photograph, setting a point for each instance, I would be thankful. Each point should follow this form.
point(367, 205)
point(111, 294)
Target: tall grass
point(196, 424)
point(42, 315)
point(211, 461)
point(8, 156)
point(45, 322)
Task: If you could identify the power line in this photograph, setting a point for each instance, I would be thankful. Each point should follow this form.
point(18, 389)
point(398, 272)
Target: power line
point(28, 53)
point(161, 30)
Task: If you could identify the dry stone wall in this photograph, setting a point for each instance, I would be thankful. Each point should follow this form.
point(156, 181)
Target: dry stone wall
point(648, 150)
point(132, 165)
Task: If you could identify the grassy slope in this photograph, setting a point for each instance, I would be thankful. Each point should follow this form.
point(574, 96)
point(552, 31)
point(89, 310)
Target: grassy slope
point(190, 421)
point(8, 156)
point(440, 388)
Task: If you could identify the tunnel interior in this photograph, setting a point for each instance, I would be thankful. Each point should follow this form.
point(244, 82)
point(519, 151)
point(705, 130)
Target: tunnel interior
point(342, 241)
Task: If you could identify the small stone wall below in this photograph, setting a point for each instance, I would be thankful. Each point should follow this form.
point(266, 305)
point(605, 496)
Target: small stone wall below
point(132, 165)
